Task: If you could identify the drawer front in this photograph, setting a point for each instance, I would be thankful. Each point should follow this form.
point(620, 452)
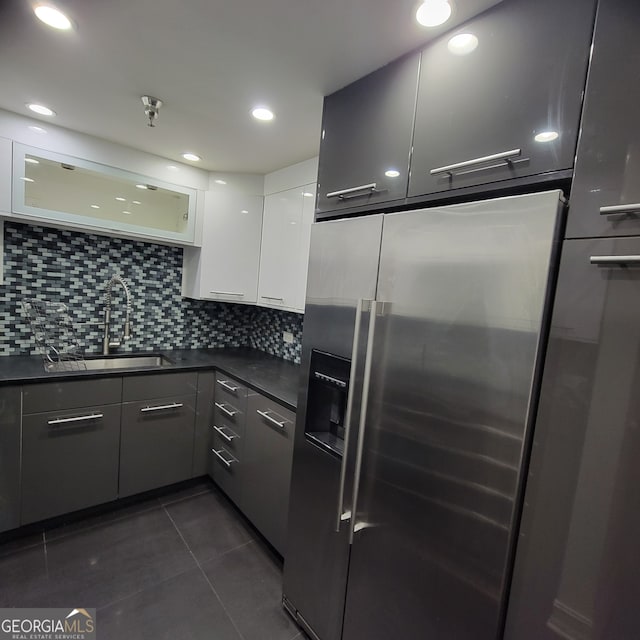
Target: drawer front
point(157, 443)
point(224, 413)
point(229, 390)
point(69, 460)
point(159, 385)
point(228, 437)
point(71, 394)
point(226, 470)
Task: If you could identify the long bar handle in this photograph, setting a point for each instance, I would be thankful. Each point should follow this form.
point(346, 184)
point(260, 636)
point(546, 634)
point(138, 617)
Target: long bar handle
point(162, 407)
point(93, 416)
point(224, 409)
point(341, 515)
point(503, 155)
point(614, 260)
point(368, 361)
point(223, 434)
point(219, 455)
point(227, 386)
point(620, 208)
point(272, 298)
point(266, 416)
point(227, 293)
point(351, 191)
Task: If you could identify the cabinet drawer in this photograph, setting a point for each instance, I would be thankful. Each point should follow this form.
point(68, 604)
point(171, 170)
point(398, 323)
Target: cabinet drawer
point(226, 470)
point(160, 385)
point(157, 443)
point(230, 390)
point(69, 460)
point(54, 396)
point(224, 413)
point(230, 439)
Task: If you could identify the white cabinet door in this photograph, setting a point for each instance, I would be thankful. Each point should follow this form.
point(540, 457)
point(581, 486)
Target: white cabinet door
point(5, 175)
point(308, 211)
point(280, 253)
point(230, 254)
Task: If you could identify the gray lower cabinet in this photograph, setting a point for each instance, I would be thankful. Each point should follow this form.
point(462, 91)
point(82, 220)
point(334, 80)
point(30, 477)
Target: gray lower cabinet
point(500, 96)
point(156, 443)
point(69, 460)
point(605, 195)
point(201, 435)
point(10, 404)
point(266, 467)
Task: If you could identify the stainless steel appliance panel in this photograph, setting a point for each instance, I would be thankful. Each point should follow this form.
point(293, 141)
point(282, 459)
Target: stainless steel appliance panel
point(577, 571)
point(462, 294)
point(343, 270)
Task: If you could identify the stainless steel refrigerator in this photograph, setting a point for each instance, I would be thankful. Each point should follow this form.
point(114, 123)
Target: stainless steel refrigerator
point(421, 357)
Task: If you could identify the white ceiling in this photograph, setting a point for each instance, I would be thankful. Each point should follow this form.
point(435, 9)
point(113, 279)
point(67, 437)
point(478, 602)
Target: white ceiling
point(210, 61)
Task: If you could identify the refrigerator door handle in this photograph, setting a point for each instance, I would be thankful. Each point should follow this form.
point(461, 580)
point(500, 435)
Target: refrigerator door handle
point(375, 307)
point(343, 516)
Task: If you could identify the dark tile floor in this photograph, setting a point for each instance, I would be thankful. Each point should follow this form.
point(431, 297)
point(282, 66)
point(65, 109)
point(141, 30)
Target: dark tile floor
point(185, 565)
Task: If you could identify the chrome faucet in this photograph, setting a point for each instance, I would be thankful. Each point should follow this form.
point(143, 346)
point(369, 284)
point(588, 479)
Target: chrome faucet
point(107, 343)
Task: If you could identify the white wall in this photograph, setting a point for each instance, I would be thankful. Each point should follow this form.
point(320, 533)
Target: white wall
point(295, 175)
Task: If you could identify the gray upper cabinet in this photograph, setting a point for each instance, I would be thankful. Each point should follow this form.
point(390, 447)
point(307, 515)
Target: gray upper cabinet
point(366, 139)
point(500, 97)
point(605, 198)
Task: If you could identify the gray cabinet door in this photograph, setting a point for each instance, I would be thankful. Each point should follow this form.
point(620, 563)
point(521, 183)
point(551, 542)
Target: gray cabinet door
point(204, 417)
point(366, 139)
point(10, 402)
point(69, 460)
point(268, 451)
point(157, 443)
point(608, 161)
point(577, 572)
point(516, 96)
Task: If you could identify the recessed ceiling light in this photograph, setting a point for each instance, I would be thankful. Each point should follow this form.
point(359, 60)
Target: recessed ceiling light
point(136, 202)
point(262, 113)
point(218, 181)
point(546, 136)
point(462, 44)
point(392, 173)
point(36, 129)
point(52, 17)
point(95, 206)
point(191, 156)
point(28, 179)
point(128, 213)
point(32, 161)
point(141, 186)
point(121, 199)
point(41, 109)
point(432, 13)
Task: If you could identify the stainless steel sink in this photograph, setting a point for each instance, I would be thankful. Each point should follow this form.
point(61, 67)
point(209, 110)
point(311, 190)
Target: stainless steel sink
point(127, 362)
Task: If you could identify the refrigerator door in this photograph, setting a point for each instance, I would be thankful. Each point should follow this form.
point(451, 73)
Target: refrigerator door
point(343, 272)
point(463, 293)
point(577, 571)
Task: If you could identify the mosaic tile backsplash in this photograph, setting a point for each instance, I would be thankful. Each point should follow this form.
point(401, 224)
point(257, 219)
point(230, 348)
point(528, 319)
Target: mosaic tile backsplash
point(73, 267)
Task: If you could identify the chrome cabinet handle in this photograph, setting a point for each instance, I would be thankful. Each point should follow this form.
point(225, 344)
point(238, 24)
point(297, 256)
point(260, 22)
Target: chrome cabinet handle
point(344, 516)
point(368, 361)
point(223, 434)
point(266, 416)
point(608, 260)
point(162, 407)
point(224, 409)
point(503, 155)
point(228, 463)
point(323, 376)
point(93, 416)
point(620, 208)
point(353, 192)
point(227, 293)
point(227, 386)
point(272, 298)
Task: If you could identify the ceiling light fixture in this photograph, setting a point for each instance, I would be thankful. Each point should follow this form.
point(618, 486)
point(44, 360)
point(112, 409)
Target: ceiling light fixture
point(128, 213)
point(121, 199)
point(52, 17)
point(462, 44)
point(191, 156)
point(151, 107)
point(262, 113)
point(136, 202)
point(433, 13)
point(95, 206)
point(40, 109)
point(141, 186)
point(546, 136)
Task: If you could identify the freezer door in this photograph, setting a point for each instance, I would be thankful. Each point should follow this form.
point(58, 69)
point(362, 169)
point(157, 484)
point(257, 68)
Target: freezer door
point(577, 572)
point(343, 271)
point(462, 298)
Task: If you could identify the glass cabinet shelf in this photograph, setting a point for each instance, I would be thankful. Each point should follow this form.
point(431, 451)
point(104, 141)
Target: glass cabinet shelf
point(49, 186)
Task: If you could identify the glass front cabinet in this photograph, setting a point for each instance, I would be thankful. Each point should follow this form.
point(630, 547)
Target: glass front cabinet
point(50, 187)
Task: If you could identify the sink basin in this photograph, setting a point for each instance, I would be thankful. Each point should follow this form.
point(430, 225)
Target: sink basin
point(126, 362)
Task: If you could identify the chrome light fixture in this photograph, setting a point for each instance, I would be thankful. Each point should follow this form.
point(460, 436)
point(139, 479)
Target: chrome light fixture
point(151, 107)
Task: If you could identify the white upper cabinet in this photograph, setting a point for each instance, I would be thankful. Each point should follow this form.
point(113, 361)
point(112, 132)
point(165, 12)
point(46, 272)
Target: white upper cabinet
point(226, 267)
point(5, 175)
point(288, 216)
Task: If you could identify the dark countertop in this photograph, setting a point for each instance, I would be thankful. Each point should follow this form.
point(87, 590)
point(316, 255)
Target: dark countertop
point(271, 376)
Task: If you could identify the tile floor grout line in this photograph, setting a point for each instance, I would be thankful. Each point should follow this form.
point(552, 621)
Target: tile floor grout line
point(215, 593)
